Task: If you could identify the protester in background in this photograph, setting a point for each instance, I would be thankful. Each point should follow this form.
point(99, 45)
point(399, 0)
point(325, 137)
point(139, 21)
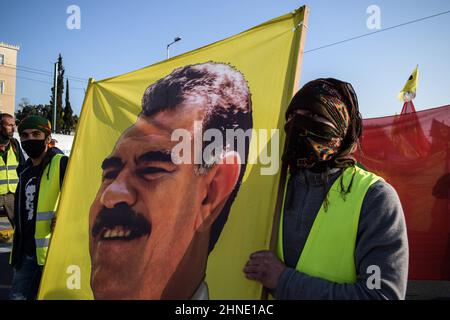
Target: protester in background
point(11, 157)
point(342, 231)
point(35, 204)
point(52, 143)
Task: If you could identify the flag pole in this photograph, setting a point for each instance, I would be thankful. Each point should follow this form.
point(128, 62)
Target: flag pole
point(303, 26)
point(55, 94)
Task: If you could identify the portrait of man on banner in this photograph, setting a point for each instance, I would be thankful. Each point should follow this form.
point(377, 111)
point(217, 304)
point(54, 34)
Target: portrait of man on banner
point(155, 219)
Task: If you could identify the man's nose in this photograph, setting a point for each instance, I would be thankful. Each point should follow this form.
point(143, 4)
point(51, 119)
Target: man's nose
point(119, 191)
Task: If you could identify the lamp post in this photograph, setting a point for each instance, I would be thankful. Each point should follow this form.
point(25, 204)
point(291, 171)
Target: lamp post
point(55, 88)
point(174, 40)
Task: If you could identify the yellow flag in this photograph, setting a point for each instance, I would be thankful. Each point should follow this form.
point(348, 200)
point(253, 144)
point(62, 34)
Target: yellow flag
point(136, 219)
point(409, 90)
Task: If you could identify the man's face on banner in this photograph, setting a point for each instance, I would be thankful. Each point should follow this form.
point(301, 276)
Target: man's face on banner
point(148, 211)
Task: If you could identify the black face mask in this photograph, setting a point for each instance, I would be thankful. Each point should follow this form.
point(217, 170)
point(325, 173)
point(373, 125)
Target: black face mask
point(34, 148)
point(4, 139)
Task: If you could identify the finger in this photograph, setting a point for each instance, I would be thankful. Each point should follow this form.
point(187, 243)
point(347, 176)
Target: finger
point(256, 261)
point(254, 276)
point(261, 253)
point(265, 260)
point(252, 269)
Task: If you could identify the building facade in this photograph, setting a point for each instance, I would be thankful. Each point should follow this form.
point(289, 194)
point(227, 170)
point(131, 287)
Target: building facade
point(8, 63)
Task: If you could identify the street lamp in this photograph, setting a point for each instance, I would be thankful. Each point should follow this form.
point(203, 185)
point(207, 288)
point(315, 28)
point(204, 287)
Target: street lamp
point(174, 40)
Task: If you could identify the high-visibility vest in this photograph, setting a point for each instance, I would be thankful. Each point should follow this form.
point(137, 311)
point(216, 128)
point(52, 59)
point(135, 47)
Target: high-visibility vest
point(8, 173)
point(49, 189)
point(329, 252)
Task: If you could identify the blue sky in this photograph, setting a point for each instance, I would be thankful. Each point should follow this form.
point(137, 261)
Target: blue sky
point(120, 36)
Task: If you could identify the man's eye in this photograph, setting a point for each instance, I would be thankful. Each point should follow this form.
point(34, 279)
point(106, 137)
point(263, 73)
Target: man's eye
point(110, 174)
point(152, 170)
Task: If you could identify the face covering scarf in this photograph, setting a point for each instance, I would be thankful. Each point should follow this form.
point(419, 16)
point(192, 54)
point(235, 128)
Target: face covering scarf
point(317, 123)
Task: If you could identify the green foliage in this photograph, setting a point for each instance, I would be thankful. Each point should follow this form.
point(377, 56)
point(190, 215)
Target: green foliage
point(59, 94)
point(68, 118)
point(27, 109)
point(66, 121)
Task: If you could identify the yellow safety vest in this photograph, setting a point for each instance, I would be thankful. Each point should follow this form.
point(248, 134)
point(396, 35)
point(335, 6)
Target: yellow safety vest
point(329, 252)
point(8, 173)
point(49, 190)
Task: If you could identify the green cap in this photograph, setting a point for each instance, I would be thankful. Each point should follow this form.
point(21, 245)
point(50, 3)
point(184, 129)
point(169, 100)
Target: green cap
point(35, 122)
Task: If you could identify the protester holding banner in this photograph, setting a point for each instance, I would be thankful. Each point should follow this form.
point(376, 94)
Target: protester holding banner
point(342, 231)
point(37, 196)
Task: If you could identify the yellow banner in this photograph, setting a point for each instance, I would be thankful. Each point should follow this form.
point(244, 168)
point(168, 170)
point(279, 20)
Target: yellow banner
point(136, 219)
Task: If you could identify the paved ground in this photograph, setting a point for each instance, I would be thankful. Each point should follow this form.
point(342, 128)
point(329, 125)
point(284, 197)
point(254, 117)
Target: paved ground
point(423, 290)
point(5, 276)
point(5, 268)
point(428, 290)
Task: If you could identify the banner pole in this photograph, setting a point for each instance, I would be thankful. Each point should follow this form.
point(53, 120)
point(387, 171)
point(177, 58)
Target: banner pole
point(303, 26)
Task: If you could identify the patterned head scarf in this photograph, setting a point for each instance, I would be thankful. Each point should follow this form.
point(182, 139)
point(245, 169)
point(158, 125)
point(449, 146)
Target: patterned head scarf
point(323, 124)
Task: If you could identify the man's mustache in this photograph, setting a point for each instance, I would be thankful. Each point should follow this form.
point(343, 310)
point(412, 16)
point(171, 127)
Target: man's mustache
point(120, 223)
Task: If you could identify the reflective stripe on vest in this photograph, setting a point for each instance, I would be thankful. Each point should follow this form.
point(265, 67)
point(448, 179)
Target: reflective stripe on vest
point(8, 167)
point(330, 247)
point(13, 181)
point(42, 243)
point(8, 173)
point(48, 197)
point(45, 215)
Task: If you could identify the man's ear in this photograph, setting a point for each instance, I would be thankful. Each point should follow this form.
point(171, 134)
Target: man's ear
point(48, 139)
point(220, 182)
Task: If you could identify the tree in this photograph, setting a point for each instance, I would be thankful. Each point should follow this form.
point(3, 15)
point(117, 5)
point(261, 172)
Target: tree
point(27, 109)
point(69, 123)
point(66, 121)
point(59, 94)
point(75, 121)
point(24, 102)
